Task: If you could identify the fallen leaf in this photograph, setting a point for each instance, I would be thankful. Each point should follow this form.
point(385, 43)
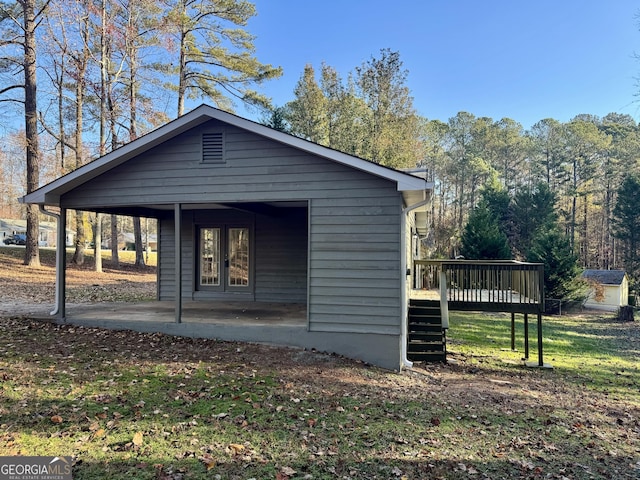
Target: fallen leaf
point(208, 461)
point(288, 471)
point(137, 439)
point(236, 448)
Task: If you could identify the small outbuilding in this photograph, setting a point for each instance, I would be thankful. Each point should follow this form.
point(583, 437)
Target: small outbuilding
point(609, 289)
point(254, 216)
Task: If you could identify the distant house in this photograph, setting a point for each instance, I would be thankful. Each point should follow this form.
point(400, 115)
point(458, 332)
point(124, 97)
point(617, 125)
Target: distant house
point(609, 290)
point(127, 241)
point(250, 214)
point(46, 238)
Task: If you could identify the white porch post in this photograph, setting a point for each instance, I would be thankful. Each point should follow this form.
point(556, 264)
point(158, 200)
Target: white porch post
point(178, 260)
point(61, 260)
point(61, 265)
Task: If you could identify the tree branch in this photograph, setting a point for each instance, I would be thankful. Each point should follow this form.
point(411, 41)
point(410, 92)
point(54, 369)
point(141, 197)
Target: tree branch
point(12, 87)
point(53, 134)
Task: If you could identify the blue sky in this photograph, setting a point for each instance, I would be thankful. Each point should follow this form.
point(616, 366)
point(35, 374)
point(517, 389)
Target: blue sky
point(526, 60)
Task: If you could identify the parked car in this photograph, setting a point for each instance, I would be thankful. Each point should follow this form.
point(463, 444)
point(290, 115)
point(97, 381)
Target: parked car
point(17, 239)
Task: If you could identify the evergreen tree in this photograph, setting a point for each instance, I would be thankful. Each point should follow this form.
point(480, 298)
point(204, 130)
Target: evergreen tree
point(276, 118)
point(392, 125)
point(531, 211)
point(215, 53)
point(498, 202)
point(561, 271)
point(307, 113)
point(626, 222)
point(482, 238)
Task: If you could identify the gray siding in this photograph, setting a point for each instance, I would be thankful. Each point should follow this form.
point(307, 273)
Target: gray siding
point(166, 260)
point(281, 258)
point(256, 169)
point(354, 223)
point(355, 256)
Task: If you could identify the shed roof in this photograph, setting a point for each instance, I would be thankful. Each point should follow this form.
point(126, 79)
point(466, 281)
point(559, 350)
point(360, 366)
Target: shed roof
point(605, 277)
point(413, 187)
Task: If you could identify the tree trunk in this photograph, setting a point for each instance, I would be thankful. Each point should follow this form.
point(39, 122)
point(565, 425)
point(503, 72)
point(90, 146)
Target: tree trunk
point(81, 65)
point(625, 314)
point(137, 232)
point(32, 253)
point(78, 254)
point(115, 260)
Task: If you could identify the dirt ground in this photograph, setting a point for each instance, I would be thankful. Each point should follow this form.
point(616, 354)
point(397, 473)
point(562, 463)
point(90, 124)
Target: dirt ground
point(22, 287)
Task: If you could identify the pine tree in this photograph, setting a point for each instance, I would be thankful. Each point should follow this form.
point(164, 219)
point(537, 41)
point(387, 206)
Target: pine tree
point(561, 271)
point(482, 238)
point(531, 211)
point(626, 222)
point(307, 113)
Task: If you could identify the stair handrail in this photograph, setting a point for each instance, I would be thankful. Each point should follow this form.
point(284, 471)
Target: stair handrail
point(444, 303)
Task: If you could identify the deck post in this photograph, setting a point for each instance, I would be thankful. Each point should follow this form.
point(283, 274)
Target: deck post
point(540, 359)
point(513, 332)
point(526, 336)
point(178, 261)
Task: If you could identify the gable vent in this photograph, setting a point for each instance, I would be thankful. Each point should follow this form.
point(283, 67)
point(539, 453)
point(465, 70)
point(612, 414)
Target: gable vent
point(213, 147)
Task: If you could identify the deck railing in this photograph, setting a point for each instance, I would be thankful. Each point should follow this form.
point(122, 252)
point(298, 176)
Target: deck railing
point(490, 286)
point(498, 285)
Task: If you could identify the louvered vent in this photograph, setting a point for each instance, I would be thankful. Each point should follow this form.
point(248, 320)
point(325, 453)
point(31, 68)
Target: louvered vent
point(213, 147)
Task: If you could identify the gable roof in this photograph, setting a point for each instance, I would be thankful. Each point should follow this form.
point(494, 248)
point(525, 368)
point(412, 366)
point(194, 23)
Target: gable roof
point(50, 194)
point(605, 277)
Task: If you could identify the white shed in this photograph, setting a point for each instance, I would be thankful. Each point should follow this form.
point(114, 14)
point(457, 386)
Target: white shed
point(609, 289)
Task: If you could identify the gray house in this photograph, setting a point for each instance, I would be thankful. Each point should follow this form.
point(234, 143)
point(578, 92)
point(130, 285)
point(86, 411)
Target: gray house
point(250, 214)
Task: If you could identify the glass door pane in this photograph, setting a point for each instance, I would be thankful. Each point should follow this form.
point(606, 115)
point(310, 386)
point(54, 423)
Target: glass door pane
point(210, 257)
point(238, 257)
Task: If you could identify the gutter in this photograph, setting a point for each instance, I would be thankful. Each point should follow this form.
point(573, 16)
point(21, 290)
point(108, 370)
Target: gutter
point(405, 362)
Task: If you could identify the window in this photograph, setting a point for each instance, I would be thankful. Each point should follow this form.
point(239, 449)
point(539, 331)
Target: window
point(238, 254)
point(210, 257)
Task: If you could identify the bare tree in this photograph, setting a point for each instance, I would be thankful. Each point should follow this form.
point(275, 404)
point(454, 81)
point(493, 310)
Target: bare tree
point(19, 30)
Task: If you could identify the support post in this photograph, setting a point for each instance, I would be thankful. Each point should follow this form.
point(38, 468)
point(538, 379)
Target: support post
point(178, 261)
point(540, 359)
point(61, 264)
point(513, 332)
point(526, 336)
point(61, 260)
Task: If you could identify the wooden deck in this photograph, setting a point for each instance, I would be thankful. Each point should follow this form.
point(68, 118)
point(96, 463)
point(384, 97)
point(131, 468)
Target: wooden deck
point(487, 286)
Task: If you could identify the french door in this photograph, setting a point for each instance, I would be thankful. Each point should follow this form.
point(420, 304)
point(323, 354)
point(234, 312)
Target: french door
point(224, 258)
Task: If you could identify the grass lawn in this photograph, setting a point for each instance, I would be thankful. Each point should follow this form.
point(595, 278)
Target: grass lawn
point(129, 405)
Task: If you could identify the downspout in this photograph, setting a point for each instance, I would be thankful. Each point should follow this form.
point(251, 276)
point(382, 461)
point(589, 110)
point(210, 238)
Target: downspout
point(61, 230)
point(403, 282)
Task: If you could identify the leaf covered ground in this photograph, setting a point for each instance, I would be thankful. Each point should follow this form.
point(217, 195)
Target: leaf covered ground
point(133, 405)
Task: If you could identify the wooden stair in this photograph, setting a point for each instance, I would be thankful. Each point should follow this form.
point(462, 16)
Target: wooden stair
point(426, 339)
